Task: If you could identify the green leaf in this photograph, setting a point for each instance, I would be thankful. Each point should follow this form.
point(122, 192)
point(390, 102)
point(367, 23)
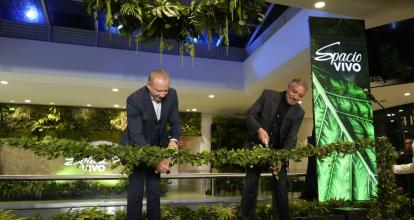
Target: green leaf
point(343, 113)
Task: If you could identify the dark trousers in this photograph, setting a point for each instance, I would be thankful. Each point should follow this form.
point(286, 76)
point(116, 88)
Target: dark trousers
point(136, 193)
point(279, 195)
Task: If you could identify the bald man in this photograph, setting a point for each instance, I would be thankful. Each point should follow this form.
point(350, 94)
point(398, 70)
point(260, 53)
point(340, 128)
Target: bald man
point(149, 110)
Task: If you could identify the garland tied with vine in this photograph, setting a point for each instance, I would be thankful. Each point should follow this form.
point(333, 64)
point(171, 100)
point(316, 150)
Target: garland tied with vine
point(256, 156)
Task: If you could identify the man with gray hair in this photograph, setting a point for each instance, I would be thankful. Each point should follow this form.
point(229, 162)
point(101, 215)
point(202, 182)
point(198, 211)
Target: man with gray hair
point(273, 120)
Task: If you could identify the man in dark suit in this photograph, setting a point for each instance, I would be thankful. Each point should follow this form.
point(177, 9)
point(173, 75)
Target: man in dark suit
point(273, 120)
point(149, 109)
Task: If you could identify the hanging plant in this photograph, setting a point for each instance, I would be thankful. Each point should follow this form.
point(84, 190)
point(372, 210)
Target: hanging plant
point(173, 23)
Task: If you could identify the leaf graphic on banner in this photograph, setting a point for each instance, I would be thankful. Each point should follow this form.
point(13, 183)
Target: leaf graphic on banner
point(342, 113)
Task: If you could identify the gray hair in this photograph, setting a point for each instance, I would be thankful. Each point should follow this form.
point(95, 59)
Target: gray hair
point(298, 81)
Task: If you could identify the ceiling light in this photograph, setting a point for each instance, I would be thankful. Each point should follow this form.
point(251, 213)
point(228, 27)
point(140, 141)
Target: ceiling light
point(116, 106)
point(89, 105)
point(193, 109)
point(300, 102)
point(389, 115)
point(32, 14)
point(211, 96)
point(12, 101)
point(115, 90)
point(407, 94)
point(392, 121)
point(4, 82)
point(187, 110)
point(27, 101)
point(51, 103)
point(320, 4)
point(400, 110)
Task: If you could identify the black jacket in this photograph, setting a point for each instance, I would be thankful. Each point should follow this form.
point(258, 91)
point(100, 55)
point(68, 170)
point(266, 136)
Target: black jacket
point(261, 113)
point(142, 118)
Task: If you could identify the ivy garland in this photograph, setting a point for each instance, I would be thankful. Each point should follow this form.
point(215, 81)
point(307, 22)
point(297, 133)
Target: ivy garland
point(256, 156)
point(171, 21)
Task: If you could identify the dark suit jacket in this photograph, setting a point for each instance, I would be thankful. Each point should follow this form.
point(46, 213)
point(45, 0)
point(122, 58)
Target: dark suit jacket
point(142, 118)
point(261, 113)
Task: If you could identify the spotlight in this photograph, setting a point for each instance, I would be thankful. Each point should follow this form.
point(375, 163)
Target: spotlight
point(320, 4)
point(32, 14)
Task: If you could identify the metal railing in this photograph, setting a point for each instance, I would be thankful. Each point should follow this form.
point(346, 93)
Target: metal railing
point(123, 176)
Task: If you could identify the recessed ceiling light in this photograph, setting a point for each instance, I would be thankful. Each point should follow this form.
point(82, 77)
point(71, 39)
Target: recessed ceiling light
point(11, 101)
point(211, 96)
point(52, 103)
point(89, 105)
point(115, 90)
point(4, 82)
point(187, 110)
point(194, 109)
point(407, 94)
point(300, 102)
point(319, 4)
point(27, 101)
point(116, 106)
point(400, 110)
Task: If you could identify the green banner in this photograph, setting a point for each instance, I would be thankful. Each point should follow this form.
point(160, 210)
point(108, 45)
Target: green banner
point(342, 108)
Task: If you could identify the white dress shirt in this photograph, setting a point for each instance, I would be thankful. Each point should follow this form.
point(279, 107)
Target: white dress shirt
point(405, 168)
point(157, 107)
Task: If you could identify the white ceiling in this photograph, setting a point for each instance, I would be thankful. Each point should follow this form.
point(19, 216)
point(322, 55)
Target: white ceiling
point(70, 90)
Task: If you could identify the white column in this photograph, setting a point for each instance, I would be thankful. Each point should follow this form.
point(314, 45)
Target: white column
point(205, 143)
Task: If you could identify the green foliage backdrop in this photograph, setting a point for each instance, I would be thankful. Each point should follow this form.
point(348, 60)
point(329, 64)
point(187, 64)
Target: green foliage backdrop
point(76, 123)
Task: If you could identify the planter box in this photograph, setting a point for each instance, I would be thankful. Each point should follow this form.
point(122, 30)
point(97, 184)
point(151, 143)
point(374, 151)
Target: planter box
point(352, 213)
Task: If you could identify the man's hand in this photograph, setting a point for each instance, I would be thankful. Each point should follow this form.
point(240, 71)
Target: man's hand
point(173, 144)
point(163, 167)
point(276, 167)
point(263, 136)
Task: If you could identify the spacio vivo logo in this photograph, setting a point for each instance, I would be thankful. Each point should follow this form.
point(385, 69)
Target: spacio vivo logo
point(345, 62)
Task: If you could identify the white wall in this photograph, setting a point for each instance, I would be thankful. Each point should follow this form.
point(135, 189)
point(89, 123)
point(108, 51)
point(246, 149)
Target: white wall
point(38, 57)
